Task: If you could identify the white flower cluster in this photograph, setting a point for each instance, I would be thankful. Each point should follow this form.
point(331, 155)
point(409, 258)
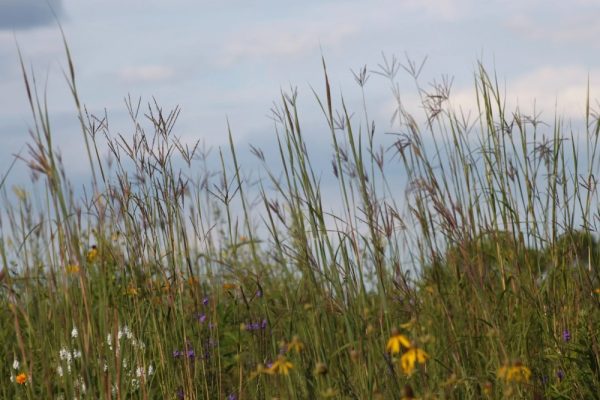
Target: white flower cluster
point(67, 355)
point(124, 333)
point(127, 345)
point(15, 366)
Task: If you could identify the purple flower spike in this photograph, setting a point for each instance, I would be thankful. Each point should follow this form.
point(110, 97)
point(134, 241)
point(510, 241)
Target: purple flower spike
point(259, 293)
point(566, 335)
point(191, 354)
point(560, 374)
point(205, 301)
point(263, 324)
point(177, 354)
point(232, 396)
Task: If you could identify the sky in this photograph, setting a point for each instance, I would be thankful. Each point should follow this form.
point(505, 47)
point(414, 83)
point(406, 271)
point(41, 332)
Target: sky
point(229, 60)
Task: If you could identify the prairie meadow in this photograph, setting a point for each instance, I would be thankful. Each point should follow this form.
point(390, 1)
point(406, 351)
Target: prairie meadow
point(461, 260)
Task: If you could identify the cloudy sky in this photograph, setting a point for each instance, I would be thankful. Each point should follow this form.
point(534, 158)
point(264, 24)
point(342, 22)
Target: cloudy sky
point(230, 59)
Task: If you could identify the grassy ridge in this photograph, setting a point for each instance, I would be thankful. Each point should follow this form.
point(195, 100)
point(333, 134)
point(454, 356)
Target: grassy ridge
point(481, 282)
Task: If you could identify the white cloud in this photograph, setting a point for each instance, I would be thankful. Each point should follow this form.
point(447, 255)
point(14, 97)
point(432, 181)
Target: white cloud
point(576, 28)
point(282, 40)
point(551, 89)
point(146, 73)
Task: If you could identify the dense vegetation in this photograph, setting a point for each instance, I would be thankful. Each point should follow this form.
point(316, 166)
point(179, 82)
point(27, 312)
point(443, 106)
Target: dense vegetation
point(478, 278)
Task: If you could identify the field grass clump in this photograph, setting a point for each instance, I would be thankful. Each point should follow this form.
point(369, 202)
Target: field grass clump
point(163, 278)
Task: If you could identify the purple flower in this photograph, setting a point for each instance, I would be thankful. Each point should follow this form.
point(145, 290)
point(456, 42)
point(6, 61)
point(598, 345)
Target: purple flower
point(560, 374)
point(566, 335)
point(177, 353)
point(232, 396)
point(205, 301)
point(191, 353)
point(259, 293)
point(201, 317)
point(254, 326)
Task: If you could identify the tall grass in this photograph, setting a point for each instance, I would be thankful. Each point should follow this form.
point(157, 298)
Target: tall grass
point(166, 279)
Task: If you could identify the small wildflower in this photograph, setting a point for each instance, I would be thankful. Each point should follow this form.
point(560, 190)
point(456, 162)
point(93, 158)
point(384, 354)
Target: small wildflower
point(92, 254)
point(261, 369)
point(514, 373)
point(329, 393)
point(205, 301)
point(560, 374)
point(201, 317)
point(321, 369)
point(281, 366)
point(177, 353)
point(65, 355)
point(295, 344)
point(132, 291)
point(409, 324)
point(566, 335)
point(72, 268)
point(410, 358)
point(16, 364)
point(396, 342)
point(232, 396)
point(74, 332)
point(193, 281)
point(487, 388)
point(21, 379)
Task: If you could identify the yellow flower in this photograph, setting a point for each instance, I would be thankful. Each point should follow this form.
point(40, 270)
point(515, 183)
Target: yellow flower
point(514, 373)
point(330, 393)
point(92, 254)
point(409, 324)
point(260, 369)
point(396, 342)
point(281, 366)
point(295, 344)
point(21, 378)
point(132, 291)
point(410, 358)
point(72, 268)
